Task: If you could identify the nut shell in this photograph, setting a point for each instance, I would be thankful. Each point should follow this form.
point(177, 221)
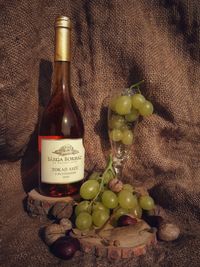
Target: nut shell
point(115, 185)
point(168, 231)
point(62, 210)
point(66, 224)
point(53, 232)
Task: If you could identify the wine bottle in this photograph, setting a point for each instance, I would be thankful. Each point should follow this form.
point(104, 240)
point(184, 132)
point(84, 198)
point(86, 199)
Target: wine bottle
point(61, 130)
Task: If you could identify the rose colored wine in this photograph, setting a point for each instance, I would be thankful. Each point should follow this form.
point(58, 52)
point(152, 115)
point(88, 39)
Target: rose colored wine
point(61, 129)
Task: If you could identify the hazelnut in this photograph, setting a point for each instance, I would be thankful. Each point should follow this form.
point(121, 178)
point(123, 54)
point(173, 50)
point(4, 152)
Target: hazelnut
point(115, 185)
point(168, 231)
point(62, 210)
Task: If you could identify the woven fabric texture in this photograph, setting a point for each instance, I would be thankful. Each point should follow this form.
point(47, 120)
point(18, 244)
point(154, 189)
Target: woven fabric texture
point(115, 43)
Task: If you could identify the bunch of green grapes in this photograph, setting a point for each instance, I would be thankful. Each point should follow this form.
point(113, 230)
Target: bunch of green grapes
point(130, 202)
point(99, 202)
point(91, 211)
point(125, 110)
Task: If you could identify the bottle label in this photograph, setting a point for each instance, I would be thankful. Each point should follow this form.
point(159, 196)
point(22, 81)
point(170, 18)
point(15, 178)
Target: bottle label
point(62, 161)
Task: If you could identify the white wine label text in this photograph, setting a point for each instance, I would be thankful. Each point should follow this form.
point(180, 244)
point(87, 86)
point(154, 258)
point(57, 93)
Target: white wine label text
point(62, 161)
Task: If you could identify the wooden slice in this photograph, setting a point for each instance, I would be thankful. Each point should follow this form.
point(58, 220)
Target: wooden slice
point(39, 205)
point(121, 242)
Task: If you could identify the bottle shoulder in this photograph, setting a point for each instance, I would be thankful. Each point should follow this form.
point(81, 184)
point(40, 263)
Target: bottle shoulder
point(61, 118)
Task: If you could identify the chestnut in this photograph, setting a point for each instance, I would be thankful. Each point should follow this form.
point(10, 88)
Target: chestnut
point(65, 247)
point(126, 220)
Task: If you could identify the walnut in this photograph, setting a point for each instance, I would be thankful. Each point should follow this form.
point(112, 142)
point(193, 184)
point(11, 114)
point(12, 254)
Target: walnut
point(168, 231)
point(66, 223)
point(53, 232)
point(157, 211)
point(62, 210)
point(115, 185)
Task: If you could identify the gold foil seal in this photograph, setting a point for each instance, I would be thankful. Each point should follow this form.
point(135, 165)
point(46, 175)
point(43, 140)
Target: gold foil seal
point(63, 21)
point(62, 39)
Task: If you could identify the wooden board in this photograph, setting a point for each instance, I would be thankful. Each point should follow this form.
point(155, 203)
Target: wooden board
point(113, 243)
point(39, 205)
point(121, 242)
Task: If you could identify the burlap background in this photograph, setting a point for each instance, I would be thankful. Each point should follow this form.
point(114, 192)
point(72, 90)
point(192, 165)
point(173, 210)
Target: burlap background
point(116, 43)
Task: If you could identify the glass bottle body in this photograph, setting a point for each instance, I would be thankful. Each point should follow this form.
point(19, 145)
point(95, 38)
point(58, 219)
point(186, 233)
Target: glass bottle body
point(61, 133)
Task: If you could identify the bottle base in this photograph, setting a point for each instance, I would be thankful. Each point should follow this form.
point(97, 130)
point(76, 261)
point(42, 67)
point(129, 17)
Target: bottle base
point(56, 190)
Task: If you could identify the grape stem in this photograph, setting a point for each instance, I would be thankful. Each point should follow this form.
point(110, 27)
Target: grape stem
point(108, 168)
point(136, 85)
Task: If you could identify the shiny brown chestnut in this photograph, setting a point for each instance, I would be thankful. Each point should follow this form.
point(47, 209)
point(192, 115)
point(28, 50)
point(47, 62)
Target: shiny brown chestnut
point(126, 220)
point(65, 247)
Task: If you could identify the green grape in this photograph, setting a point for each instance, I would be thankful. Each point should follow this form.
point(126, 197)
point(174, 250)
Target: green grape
point(99, 206)
point(83, 206)
point(127, 137)
point(116, 122)
point(95, 176)
point(89, 189)
point(124, 127)
point(146, 202)
point(108, 176)
point(109, 199)
point(128, 187)
point(123, 105)
point(83, 221)
point(146, 109)
point(99, 217)
point(133, 116)
point(113, 103)
point(138, 100)
point(118, 212)
point(136, 212)
point(103, 188)
point(116, 135)
point(127, 200)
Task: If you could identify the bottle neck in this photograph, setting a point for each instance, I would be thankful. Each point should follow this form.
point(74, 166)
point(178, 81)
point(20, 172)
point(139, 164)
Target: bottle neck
point(62, 57)
point(62, 44)
point(62, 77)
